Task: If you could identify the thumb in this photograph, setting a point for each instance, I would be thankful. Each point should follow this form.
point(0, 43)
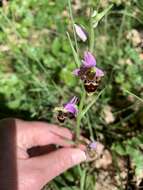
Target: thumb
point(57, 162)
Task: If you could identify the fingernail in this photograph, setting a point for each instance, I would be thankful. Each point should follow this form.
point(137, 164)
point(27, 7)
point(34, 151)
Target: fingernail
point(80, 156)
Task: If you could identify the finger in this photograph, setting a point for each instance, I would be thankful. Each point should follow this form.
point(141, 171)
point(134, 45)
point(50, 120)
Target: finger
point(31, 134)
point(57, 162)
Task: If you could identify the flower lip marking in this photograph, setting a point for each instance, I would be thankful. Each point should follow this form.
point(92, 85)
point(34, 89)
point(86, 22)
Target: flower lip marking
point(61, 116)
point(90, 86)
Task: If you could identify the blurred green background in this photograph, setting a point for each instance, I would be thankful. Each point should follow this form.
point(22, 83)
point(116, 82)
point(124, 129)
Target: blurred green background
point(36, 65)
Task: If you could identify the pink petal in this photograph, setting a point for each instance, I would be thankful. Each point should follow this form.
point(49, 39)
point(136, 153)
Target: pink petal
point(80, 32)
point(99, 72)
point(89, 60)
point(71, 108)
point(93, 145)
point(76, 71)
point(73, 100)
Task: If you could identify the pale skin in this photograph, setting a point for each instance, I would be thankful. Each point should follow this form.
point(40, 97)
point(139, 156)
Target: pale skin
point(35, 172)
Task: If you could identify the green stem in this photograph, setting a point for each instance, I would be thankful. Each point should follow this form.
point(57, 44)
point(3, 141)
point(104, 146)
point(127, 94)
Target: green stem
point(132, 94)
point(91, 104)
point(90, 128)
point(76, 57)
point(79, 115)
point(77, 61)
point(72, 19)
point(120, 33)
point(82, 180)
point(92, 34)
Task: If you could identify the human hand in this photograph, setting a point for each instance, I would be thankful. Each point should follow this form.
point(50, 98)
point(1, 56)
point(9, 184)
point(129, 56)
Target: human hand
point(19, 171)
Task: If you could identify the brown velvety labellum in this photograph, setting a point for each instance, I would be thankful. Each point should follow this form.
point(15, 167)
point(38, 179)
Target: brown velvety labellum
point(61, 119)
point(61, 116)
point(90, 87)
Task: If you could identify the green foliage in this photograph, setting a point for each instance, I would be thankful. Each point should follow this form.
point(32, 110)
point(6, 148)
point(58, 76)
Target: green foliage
point(132, 148)
point(131, 78)
point(36, 65)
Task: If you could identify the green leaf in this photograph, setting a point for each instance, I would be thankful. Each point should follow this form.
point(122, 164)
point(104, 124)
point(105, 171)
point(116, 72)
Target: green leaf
point(90, 182)
point(69, 176)
point(119, 148)
point(98, 16)
point(65, 46)
point(134, 95)
point(70, 188)
point(120, 78)
point(67, 76)
point(76, 57)
point(91, 103)
point(56, 45)
point(14, 104)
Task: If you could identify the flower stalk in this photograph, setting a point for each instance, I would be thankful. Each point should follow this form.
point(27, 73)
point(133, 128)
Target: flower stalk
point(72, 20)
point(79, 117)
point(92, 33)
